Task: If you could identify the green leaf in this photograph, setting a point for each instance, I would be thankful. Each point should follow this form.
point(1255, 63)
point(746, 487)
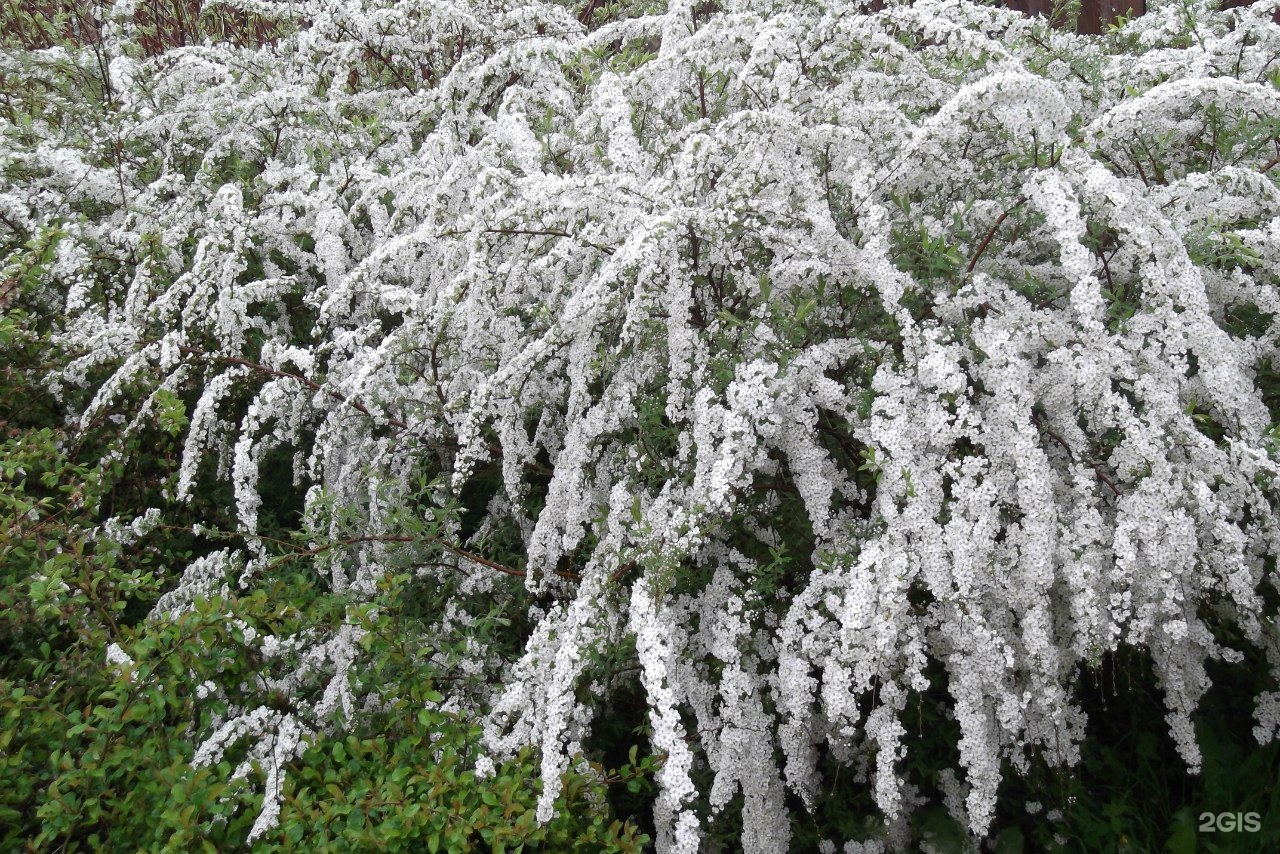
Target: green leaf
point(1010, 841)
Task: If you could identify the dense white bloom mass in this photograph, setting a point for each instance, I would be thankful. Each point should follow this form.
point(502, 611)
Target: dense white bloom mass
point(815, 358)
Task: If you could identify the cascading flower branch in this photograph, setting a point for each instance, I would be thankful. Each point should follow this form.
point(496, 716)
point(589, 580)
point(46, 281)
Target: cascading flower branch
point(807, 358)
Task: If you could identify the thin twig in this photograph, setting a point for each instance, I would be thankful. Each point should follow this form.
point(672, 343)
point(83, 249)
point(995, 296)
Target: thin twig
point(1102, 476)
point(306, 381)
point(466, 554)
point(529, 232)
point(986, 241)
point(621, 572)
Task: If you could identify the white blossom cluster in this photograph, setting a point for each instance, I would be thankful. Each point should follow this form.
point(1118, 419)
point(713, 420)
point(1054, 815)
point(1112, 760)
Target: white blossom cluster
point(943, 303)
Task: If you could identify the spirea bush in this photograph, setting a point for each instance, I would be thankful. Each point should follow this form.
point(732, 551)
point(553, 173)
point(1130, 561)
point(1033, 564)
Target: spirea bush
point(99, 705)
point(778, 363)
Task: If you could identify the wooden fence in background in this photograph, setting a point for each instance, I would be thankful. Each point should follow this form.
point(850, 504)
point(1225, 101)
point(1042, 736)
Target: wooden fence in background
point(1097, 15)
point(169, 23)
point(163, 24)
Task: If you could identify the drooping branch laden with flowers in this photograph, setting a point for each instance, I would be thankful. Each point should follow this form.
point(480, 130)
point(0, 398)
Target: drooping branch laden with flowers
point(810, 358)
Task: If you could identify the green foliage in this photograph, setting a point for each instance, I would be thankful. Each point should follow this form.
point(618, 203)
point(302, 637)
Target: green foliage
point(97, 754)
point(84, 750)
point(1131, 791)
point(33, 25)
point(401, 779)
point(928, 258)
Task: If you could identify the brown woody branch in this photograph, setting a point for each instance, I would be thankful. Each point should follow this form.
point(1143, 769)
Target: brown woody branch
point(461, 552)
point(493, 448)
point(1098, 471)
point(306, 381)
point(986, 241)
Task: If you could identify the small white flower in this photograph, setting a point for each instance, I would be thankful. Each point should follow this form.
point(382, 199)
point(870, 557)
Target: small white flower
point(118, 657)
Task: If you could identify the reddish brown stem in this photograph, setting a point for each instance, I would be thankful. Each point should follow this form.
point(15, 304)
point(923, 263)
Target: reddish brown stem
point(986, 241)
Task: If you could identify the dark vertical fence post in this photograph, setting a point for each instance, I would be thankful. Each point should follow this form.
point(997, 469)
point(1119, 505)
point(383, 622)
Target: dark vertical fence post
point(1090, 20)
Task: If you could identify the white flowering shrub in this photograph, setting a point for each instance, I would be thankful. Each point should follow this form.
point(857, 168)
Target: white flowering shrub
point(793, 360)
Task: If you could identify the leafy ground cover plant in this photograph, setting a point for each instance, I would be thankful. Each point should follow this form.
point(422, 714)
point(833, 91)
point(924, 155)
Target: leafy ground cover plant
point(104, 687)
point(769, 375)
